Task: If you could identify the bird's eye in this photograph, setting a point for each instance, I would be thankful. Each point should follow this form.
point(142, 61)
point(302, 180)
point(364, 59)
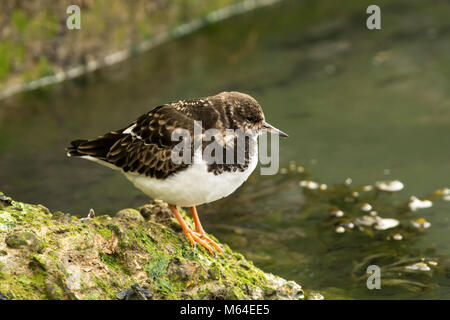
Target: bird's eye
point(251, 118)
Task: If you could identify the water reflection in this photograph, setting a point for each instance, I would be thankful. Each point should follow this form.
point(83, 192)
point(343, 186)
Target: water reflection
point(370, 105)
point(326, 238)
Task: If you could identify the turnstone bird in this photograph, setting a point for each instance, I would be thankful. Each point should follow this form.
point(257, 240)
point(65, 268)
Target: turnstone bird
point(144, 152)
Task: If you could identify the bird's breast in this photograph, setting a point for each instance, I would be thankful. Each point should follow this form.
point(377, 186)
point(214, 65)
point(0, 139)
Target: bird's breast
point(194, 185)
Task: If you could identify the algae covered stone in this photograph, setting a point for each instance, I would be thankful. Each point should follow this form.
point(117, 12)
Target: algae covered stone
point(59, 256)
point(18, 239)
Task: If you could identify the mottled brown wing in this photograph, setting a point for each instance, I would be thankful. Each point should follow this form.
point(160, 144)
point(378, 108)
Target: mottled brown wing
point(147, 149)
point(145, 146)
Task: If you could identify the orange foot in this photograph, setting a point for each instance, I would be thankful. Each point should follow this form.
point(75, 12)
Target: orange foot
point(195, 237)
point(198, 236)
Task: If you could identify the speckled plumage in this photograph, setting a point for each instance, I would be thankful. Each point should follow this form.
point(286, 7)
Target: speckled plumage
point(145, 146)
point(144, 151)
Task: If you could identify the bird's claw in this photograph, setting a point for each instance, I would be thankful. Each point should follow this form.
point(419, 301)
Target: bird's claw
point(202, 239)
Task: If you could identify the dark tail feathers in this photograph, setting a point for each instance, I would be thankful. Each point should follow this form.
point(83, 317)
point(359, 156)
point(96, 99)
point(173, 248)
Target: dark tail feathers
point(72, 151)
point(97, 148)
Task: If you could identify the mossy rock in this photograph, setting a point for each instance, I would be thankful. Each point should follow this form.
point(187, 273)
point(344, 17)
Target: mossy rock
point(59, 256)
point(20, 239)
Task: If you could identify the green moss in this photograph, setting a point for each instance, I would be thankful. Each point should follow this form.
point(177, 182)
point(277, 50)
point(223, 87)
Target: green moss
point(23, 281)
point(214, 271)
point(109, 260)
point(111, 26)
point(157, 266)
point(57, 215)
point(19, 20)
point(72, 261)
point(40, 261)
point(92, 296)
point(9, 53)
point(20, 239)
point(143, 239)
point(44, 26)
point(144, 30)
point(156, 269)
point(42, 69)
point(54, 292)
point(105, 232)
point(25, 287)
point(6, 221)
point(165, 287)
point(106, 288)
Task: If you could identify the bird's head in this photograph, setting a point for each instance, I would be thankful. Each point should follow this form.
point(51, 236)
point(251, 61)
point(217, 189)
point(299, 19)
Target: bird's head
point(248, 114)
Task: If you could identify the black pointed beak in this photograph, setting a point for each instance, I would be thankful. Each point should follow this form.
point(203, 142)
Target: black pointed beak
point(271, 129)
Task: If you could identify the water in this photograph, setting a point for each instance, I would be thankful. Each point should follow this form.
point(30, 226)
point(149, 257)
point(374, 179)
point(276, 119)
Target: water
point(370, 105)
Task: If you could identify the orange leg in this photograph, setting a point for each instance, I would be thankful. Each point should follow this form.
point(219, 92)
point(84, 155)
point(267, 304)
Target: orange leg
point(191, 235)
point(199, 230)
point(198, 225)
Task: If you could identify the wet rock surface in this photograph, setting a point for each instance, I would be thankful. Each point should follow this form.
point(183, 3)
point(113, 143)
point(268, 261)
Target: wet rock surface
point(138, 254)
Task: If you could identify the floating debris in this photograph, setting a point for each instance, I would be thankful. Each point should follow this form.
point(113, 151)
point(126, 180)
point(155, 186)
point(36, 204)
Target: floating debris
point(377, 222)
point(283, 170)
point(420, 266)
point(308, 184)
point(421, 223)
point(337, 213)
point(415, 203)
point(443, 193)
point(323, 186)
point(386, 223)
point(374, 215)
point(292, 166)
point(433, 263)
point(366, 221)
point(344, 226)
point(347, 225)
point(389, 186)
point(397, 237)
point(300, 169)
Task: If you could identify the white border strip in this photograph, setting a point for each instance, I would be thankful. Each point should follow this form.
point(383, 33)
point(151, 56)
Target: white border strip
point(119, 56)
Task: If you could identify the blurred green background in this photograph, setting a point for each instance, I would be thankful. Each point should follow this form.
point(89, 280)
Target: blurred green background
point(366, 104)
point(35, 41)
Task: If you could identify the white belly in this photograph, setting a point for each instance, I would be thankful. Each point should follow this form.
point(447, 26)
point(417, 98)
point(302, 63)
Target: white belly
point(194, 185)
